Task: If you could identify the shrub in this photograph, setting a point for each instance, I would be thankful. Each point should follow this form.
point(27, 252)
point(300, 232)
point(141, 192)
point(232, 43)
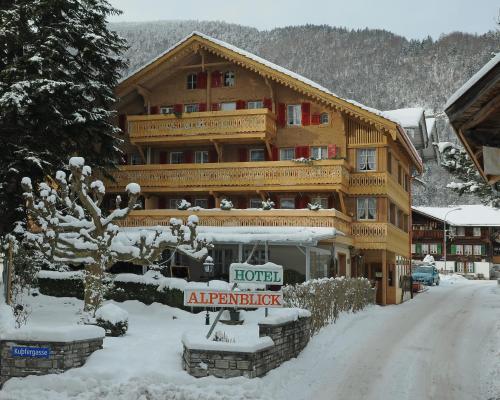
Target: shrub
point(113, 319)
point(326, 298)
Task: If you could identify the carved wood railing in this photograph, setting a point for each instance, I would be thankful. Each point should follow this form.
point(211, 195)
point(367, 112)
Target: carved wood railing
point(245, 175)
point(373, 183)
point(201, 123)
point(380, 235)
point(427, 234)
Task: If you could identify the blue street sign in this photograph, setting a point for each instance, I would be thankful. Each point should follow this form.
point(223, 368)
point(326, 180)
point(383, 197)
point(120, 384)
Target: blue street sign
point(32, 352)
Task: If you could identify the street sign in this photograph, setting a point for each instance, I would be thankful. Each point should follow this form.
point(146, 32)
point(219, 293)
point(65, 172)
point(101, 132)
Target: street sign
point(30, 352)
point(232, 299)
point(267, 274)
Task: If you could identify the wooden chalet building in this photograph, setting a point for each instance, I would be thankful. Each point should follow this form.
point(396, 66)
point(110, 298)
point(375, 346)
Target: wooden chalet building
point(207, 121)
point(473, 237)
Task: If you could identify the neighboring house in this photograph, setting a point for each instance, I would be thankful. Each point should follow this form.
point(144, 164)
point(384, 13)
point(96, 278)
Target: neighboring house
point(207, 121)
point(473, 233)
point(474, 113)
point(431, 152)
point(414, 122)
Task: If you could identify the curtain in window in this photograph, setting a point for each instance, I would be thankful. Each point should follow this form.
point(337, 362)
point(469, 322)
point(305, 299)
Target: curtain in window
point(362, 160)
point(361, 209)
point(372, 208)
point(370, 159)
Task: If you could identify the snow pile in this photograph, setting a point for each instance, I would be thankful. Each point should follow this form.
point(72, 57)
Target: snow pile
point(407, 117)
point(183, 205)
point(452, 279)
point(67, 333)
point(428, 259)
point(226, 204)
point(112, 314)
point(60, 274)
point(133, 188)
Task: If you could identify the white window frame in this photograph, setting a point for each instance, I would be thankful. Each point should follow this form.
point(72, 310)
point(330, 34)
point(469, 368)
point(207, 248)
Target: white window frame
point(173, 155)
point(468, 249)
point(192, 81)
point(413, 248)
point(287, 153)
point(324, 118)
point(229, 79)
point(366, 160)
point(460, 231)
point(190, 108)
point(425, 248)
point(460, 267)
point(476, 231)
point(289, 200)
point(459, 249)
point(294, 115)
point(201, 202)
point(227, 106)
point(469, 265)
point(433, 248)
point(478, 249)
point(323, 201)
point(167, 110)
point(255, 104)
point(255, 203)
point(254, 151)
point(201, 156)
point(363, 207)
point(319, 152)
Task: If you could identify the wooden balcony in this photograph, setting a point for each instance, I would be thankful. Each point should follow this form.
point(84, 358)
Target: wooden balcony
point(290, 218)
point(380, 236)
point(233, 177)
point(427, 234)
point(199, 127)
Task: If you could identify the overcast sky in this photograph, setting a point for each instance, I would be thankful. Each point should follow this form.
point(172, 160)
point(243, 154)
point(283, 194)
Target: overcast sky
point(413, 19)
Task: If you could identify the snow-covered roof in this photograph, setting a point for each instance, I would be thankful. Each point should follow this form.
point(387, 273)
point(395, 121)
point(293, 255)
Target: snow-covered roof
point(406, 117)
point(473, 80)
point(468, 215)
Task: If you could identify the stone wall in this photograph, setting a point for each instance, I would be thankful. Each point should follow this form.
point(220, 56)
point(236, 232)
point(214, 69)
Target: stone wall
point(289, 338)
point(63, 356)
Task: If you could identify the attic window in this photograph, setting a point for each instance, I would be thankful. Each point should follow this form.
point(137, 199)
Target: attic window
point(191, 81)
point(324, 119)
point(229, 79)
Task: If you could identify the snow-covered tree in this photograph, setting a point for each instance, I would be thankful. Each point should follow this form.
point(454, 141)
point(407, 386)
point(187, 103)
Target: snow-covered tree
point(458, 163)
point(59, 64)
point(66, 224)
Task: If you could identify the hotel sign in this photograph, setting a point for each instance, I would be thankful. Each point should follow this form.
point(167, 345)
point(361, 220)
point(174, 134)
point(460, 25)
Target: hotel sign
point(267, 274)
point(232, 299)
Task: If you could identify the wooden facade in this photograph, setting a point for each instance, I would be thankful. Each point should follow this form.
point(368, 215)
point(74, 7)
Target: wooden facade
point(206, 121)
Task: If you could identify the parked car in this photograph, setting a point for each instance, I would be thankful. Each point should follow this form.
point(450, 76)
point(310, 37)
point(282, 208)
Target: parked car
point(426, 274)
point(495, 271)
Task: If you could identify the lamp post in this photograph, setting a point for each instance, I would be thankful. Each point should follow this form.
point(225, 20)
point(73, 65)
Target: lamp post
point(444, 233)
point(208, 267)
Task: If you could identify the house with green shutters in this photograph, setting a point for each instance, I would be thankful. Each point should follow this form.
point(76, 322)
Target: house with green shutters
point(472, 238)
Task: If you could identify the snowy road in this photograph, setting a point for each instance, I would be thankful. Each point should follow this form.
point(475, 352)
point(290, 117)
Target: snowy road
point(445, 344)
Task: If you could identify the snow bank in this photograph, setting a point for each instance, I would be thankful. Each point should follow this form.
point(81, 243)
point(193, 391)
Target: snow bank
point(76, 162)
point(61, 274)
point(279, 316)
point(242, 340)
point(112, 313)
point(133, 188)
point(68, 333)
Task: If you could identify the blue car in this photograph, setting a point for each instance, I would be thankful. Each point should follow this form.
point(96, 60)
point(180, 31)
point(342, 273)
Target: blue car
point(426, 274)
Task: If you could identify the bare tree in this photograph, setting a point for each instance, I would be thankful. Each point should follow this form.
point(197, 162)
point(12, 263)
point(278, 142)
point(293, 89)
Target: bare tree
point(68, 226)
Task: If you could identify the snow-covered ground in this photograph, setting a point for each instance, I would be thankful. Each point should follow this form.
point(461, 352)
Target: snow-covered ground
point(444, 344)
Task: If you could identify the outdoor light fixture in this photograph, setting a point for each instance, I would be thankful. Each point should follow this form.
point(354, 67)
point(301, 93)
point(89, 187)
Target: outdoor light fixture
point(208, 267)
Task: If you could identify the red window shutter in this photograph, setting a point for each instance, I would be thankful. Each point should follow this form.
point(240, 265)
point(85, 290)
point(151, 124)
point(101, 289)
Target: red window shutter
point(212, 156)
point(243, 154)
point(162, 202)
point(215, 106)
point(211, 202)
point(303, 201)
point(188, 156)
point(281, 115)
point(306, 114)
point(298, 202)
point(242, 203)
point(305, 151)
point(268, 103)
point(122, 122)
point(216, 79)
point(297, 152)
point(275, 151)
point(302, 151)
point(163, 157)
point(316, 119)
point(241, 104)
point(332, 150)
point(201, 80)
point(154, 110)
point(202, 107)
point(177, 108)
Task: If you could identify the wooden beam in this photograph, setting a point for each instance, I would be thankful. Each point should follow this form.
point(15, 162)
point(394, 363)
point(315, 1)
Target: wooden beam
point(218, 149)
point(141, 153)
point(489, 108)
point(261, 194)
point(271, 92)
point(269, 150)
point(203, 65)
point(342, 203)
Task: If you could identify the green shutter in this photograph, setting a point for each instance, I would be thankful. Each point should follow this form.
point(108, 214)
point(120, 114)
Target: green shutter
point(453, 249)
point(483, 249)
point(418, 248)
point(440, 248)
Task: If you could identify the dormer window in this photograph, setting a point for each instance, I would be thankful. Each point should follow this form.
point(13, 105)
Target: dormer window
point(324, 119)
point(229, 79)
point(191, 81)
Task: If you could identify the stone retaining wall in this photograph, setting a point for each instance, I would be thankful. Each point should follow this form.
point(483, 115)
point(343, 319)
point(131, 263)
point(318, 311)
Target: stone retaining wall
point(290, 338)
point(63, 356)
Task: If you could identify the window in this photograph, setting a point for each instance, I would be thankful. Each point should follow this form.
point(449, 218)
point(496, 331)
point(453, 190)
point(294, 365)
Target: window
point(176, 157)
point(468, 249)
point(229, 79)
point(202, 203)
point(191, 81)
point(459, 249)
point(476, 231)
point(413, 248)
point(470, 267)
point(460, 266)
point(228, 106)
point(287, 203)
point(460, 231)
point(255, 203)
point(258, 256)
point(191, 108)
point(167, 110)
point(322, 201)
point(425, 248)
point(135, 159)
point(324, 118)
point(294, 114)
point(257, 155)
point(367, 208)
point(287, 153)
point(478, 249)
point(366, 160)
point(255, 104)
point(201, 157)
point(173, 203)
point(319, 153)
point(433, 248)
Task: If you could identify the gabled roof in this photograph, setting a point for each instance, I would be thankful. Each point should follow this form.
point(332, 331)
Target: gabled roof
point(469, 215)
point(406, 117)
point(285, 77)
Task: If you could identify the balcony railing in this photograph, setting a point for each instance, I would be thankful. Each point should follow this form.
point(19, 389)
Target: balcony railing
point(277, 218)
point(427, 234)
point(212, 125)
point(380, 235)
point(370, 183)
point(241, 176)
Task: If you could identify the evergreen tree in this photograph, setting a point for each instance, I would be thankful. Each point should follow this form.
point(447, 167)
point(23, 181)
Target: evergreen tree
point(59, 64)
